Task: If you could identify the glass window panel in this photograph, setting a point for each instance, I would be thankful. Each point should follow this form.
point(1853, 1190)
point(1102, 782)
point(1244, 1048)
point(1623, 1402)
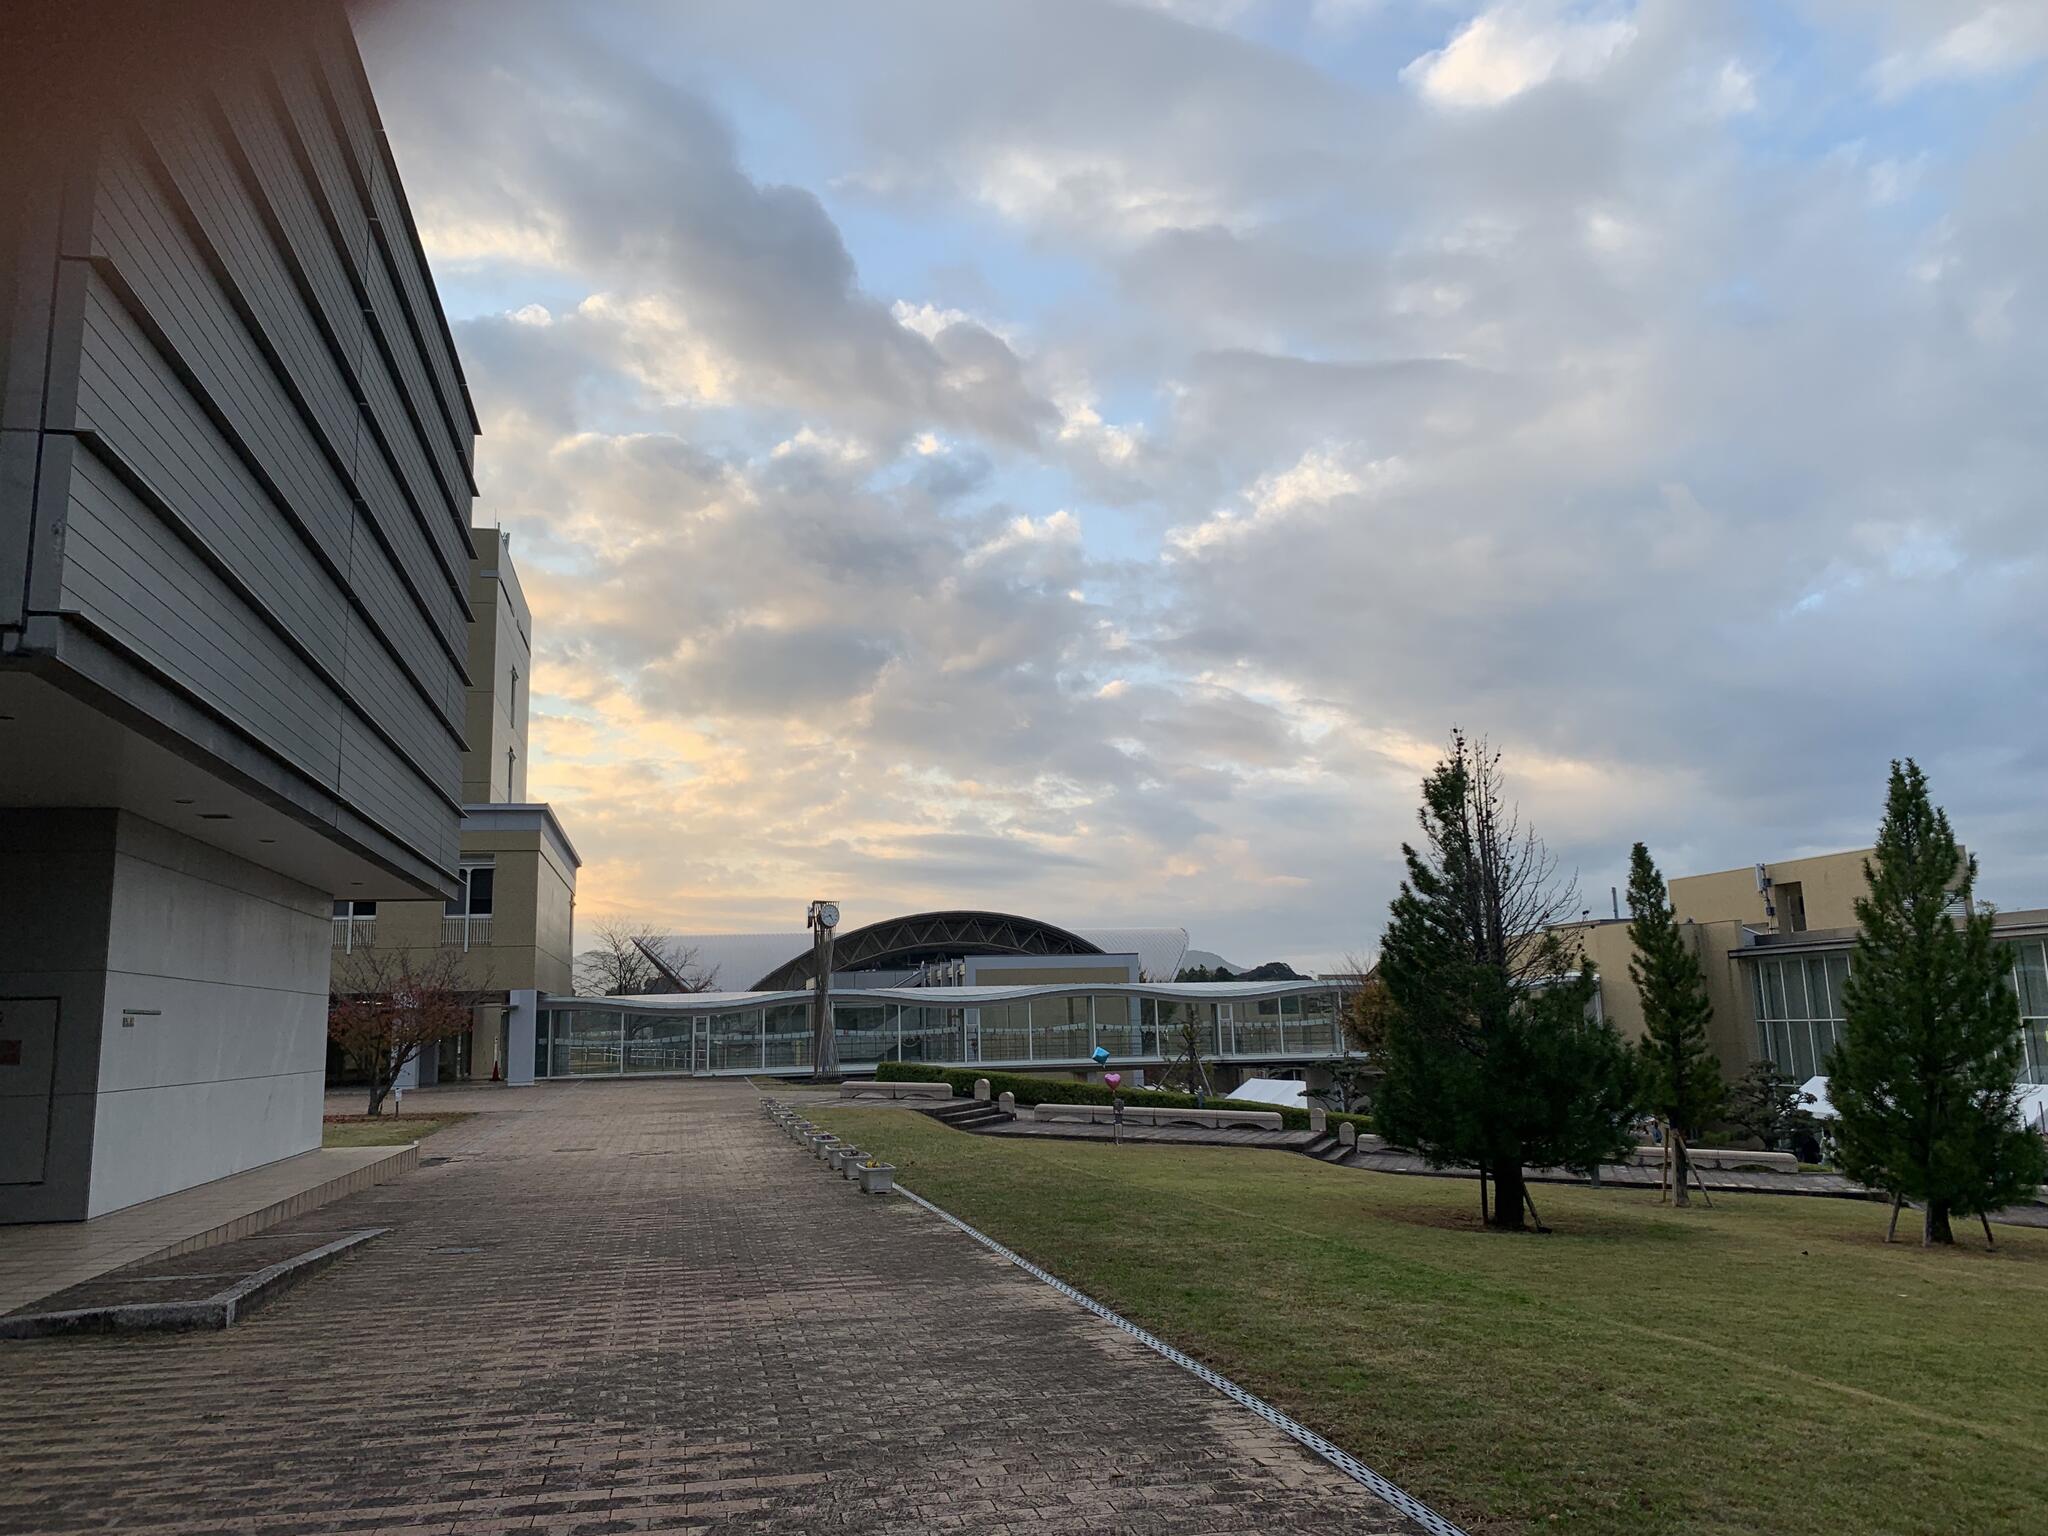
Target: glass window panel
point(866, 1032)
point(1817, 995)
point(789, 1037)
point(588, 1046)
point(2030, 977)
point(482, 884)
point(935, 1034)
point(1781, 1045)
point(541, 1025)
point(1795, 990)
point(2036, 1033)
point(658, 1042)
point(1838, 973)
point(1119, 1027)
point(1827, 1034)
point(1802, 1050)
point(457, 904)
point(1318, 1031)
point(1258, 1026)
point(735, 1044)
point(1005, 1033)
point(1059, 1029)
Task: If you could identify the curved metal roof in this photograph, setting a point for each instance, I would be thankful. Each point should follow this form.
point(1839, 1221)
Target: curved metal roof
point(730, 959)
point(901, 942)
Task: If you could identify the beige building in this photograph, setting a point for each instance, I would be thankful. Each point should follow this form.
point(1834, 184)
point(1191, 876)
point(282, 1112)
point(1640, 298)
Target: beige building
point(514, 911)
point(1775, 943)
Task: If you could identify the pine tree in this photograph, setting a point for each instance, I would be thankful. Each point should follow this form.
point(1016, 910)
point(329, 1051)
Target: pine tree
point(1681, 1076)
point(1491, 1061)
point(1924, 1078)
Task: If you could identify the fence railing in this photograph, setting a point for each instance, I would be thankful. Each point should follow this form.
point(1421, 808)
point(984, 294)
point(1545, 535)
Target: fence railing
point(353, 933)
point(466, 932)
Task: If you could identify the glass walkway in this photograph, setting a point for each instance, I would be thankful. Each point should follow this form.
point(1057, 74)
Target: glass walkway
point(707, 1033)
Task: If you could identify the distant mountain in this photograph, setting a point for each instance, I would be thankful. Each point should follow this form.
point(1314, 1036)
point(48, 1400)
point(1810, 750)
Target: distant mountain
point(1193, 969)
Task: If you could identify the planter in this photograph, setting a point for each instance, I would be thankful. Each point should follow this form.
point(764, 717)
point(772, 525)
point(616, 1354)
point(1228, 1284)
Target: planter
point(841, 1156)
point(878, 1180)
point(850, 1168)
point(821, 1146)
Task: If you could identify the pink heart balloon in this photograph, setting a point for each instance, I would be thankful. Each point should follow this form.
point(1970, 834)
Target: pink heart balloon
point(1112, 1078)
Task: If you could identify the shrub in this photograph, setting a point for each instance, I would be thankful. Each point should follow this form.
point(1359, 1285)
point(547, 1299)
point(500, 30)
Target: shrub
point(1055, 1090)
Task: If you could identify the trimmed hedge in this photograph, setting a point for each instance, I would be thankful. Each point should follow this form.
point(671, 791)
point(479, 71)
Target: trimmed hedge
point(1055, 1090)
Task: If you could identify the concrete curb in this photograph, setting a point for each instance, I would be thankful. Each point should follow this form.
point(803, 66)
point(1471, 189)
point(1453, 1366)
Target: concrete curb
point(403, 1159)
point(221, 1310)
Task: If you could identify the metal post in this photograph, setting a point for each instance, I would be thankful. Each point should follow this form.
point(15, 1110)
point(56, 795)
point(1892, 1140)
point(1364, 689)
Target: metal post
point(822, 920)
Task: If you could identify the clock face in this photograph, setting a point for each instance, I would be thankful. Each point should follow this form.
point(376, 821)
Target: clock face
point(828, 914)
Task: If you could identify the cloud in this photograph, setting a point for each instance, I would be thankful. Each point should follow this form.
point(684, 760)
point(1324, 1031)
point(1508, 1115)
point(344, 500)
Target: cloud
point(1510, 49)
point(1961, 40)
point(542, 149)
point(1069, 454)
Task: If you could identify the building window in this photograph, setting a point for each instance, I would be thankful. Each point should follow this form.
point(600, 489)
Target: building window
point(1791, 907)
point(474, 893)
point(1799, 1010)
point(2030, 981)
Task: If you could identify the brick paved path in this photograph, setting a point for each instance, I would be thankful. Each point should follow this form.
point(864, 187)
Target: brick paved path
point(635, 1307)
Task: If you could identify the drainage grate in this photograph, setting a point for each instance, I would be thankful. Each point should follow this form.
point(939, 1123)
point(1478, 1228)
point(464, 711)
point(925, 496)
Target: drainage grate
point(1342, 1460)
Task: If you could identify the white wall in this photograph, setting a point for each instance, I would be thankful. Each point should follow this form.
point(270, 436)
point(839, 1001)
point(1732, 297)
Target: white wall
point(228, 1072)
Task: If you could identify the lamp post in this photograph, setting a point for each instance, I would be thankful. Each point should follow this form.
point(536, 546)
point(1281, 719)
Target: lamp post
point(822, 919)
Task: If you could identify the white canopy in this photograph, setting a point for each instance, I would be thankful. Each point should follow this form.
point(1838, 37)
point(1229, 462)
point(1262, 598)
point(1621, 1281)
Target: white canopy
point(2033, 1102)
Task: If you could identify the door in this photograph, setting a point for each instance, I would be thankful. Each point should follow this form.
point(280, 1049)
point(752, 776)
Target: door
point(28, 1078)
point(1226, 1029)
point(700, 1043)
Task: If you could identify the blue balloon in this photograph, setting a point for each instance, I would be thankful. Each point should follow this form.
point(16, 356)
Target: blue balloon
point(1100, 1055)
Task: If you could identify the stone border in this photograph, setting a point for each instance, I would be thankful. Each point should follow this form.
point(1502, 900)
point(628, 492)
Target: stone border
point(403, 1158)
point(1387, 1492)
point(221, 1310)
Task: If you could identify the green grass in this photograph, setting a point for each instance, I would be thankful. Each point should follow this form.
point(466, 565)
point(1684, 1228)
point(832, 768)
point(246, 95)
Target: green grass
point(1767, 1365)
point(384, 1131)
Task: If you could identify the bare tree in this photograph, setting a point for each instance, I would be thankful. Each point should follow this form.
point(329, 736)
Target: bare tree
point(676, 964)
point(632, 959)
point(390, 1005)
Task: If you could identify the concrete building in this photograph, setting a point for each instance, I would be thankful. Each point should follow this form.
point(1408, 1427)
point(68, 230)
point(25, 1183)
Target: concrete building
point(514, 908)
point(1775, 943)
point(235, 482)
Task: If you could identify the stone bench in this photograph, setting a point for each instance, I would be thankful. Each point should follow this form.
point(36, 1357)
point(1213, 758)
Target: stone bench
point(1146, 1114)
point(874, 1090)
point(1652, 1156)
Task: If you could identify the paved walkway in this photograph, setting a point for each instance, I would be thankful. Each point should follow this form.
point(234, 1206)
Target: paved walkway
point(44, 1257)
point(635, 1307)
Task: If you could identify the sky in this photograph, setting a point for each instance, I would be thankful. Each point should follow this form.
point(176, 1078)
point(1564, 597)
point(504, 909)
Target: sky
point(1083, 459)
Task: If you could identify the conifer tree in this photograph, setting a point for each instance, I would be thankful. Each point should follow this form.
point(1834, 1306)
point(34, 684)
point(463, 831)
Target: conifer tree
point(1925, 1076)
point(1491, 1061)
point(1681, 1076)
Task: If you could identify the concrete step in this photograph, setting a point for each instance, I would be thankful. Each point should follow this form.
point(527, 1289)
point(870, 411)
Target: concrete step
point(968, 1114)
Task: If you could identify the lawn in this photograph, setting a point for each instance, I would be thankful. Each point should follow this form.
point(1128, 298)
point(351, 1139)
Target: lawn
point(1767, 1365)
point(384, 1131)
